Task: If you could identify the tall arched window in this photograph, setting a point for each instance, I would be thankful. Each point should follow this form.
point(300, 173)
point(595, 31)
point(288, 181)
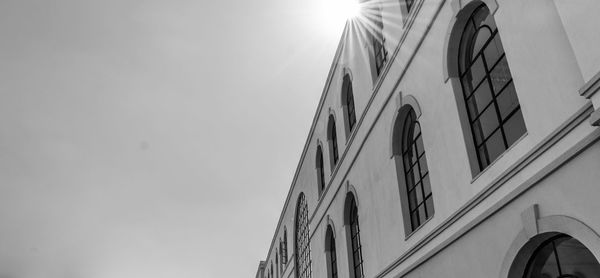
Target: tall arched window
point(331, 253)
point(416, 172)
point(353, 232)
point(348, 103)
point(492, 107)
point(320, 170)
point(302, 240)
point(377, 39)
point(412, 168)
point(277, 265)
point(333, 144)
point(562, 256)
point(284, 247)
point(281, 264)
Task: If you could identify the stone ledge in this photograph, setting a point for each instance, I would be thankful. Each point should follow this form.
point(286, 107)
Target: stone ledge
point(595, 118)
point(591, 87)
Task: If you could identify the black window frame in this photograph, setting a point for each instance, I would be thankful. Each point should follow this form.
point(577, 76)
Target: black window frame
point(320, 169)
point(302, 240)
point(331, 253)
point(380, 53)
point(413, 161)
point(332, 139)
point(479, 81)
point(348, 96)
point(356, 257)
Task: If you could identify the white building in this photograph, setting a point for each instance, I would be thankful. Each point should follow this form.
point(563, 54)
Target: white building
point(453, 138)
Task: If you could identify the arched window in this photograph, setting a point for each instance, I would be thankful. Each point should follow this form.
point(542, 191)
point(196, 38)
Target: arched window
point(283, 248)
point(331, 255)
point(562, 256)
point(348, 104)
point(416, 172)
point(353, 232)
point(302, 240)
point(320, 170)
point(277, 265)
point(492, 107)
point(333, 144)
point(377, 38)
point(412, 168)
point(281, 255)
point(272, 270)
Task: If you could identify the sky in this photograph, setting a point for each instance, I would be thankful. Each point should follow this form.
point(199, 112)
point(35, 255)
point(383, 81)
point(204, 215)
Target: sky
point(152, 138)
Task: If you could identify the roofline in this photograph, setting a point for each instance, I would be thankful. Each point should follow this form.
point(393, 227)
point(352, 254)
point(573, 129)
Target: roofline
point(261, 266)
point(334, 64)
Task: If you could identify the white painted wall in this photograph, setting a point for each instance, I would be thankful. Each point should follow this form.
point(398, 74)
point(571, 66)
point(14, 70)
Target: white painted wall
point(550, 59)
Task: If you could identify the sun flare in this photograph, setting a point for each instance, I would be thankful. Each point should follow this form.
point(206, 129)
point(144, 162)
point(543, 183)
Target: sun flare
point(335, 13)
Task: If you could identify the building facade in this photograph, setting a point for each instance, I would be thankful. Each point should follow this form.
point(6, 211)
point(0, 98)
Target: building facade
point(453, 138)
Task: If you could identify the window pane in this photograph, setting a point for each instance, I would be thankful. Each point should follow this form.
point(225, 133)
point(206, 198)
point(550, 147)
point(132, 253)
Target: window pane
point(475, 75)
point(419, 191)
point(426, 186)
point(414, 219)
point(575, 258)
point(422, 214)
point(479, 100)
point(493, 51)
point(414, 156)
point(507, 101)
point(544, 262)
point(464, 57)
point(420, 147)
point(429, 206)
point(410, 179)
point(500, 75)
point(488, 121)
point(495, 145)
point(482, 36)
point(423, 165)
point(416, 130)
point(417, 175)
point(514, 128)
point(412, 199)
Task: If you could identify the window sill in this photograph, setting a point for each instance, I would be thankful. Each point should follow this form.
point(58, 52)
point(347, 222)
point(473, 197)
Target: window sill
point(476, 177)
point(418, 228)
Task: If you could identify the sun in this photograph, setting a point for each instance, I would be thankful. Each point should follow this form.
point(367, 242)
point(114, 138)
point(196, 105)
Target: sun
point(334, 13)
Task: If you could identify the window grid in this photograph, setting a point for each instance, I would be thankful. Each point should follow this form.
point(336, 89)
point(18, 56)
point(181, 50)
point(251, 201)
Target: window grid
point(284, 257)
point(320, 170)
point(303, 258)
point(333, 142)
point(333, 258)
point(357, 261)
point(499, 122)
point(379, 51)
point(561, 256)
point(349, 103)
point(416, 173)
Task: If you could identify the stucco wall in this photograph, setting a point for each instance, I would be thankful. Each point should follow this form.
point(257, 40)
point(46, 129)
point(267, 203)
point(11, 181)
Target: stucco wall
point(544, 53)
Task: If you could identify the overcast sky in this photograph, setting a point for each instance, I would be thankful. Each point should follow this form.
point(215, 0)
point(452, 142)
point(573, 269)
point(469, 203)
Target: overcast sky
point(152, 138)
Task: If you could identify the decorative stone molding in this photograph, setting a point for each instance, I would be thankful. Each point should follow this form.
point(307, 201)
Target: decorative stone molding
point(589, 91)
point(529, 218)
point(525, 243)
